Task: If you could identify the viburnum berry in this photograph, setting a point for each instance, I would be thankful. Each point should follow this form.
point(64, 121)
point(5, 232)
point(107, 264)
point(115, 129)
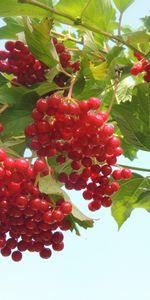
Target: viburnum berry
point(46, 253)
point(16, 256)
point(142, 66)
point(58, 247)
point(126, 173)
point(1, 127)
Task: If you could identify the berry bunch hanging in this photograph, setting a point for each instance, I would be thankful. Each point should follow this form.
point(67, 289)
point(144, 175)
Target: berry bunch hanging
point(73, 133)
point(142, 66)
point(77, 132)
point(27, 70)
point(29, 219)
point(20, 62)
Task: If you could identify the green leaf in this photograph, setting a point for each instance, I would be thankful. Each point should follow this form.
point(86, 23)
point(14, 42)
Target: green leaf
point(43, 88)
point(129, 151)
point(124, 90)
point(84, 89)
point(70, 7)
point(122, 5)
point(89, 42)
point(114, 52)
point(12, 27)
point(15, 120)
point(38, 40)
point(21, 9)
point(137, 37)
point(9, 150)
point(146, 21)
point(97, 13)
point(120, 61)
point(81, 220)
point(49, 186)
point(133, 118)
point(131, 195)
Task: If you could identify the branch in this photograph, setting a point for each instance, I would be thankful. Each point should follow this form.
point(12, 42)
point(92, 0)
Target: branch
point(67, 37)
point(78, 21)
point(74, 77)
point(119, 25)
point(115, 85)
point(3, 108)
point(135, 168)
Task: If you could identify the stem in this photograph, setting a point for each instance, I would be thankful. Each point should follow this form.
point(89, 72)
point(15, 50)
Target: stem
point(37, 179)
point(67, 37)
point(135, 168)
point(99, 56)
point(3, 108)
point(119, 25)
point(114, 95)
point(49, 8)
point(71, 86)
point(84, 25)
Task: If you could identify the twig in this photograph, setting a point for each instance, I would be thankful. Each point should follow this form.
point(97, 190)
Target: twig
point(3, 108)
point(66, 37)
point(74, 77)
point(135, 168)
point(119, 25)
point(114, 94)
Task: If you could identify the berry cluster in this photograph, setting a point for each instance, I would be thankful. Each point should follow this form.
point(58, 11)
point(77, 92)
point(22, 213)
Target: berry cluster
point(20, 62)
point(28, 218)
point(76, 132)
point(27, 70)
point(65, 61)
point(140, 67)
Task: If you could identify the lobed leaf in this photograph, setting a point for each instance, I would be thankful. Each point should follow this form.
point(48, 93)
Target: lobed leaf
point(132, 194)
point(123, 4)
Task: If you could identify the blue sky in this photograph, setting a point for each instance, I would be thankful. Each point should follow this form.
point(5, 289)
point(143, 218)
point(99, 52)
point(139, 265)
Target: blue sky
point(102, 264)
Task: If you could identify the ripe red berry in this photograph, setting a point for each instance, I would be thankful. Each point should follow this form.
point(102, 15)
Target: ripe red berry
point(3, 155)
point(94, 103)
point(126, 173)
point(117, 174)
point(57, 237)
point(58, 247)
point(46, 253)
point(1, 127)
point(16, 256)
point(66, 208)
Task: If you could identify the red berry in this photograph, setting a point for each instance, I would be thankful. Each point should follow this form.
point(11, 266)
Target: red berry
point(1, 127)
point(46, 253)
point(117, 174)
point(94, 103)
point(5, 251)
point(58, 247)
point(66, 208)
point(16, 256)
point(3, 155)
point(57, 237)
point(10, 45)
point(126, 173)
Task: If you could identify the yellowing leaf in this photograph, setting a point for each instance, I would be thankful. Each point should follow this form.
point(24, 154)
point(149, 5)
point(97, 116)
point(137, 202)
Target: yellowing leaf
point(99, 72)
